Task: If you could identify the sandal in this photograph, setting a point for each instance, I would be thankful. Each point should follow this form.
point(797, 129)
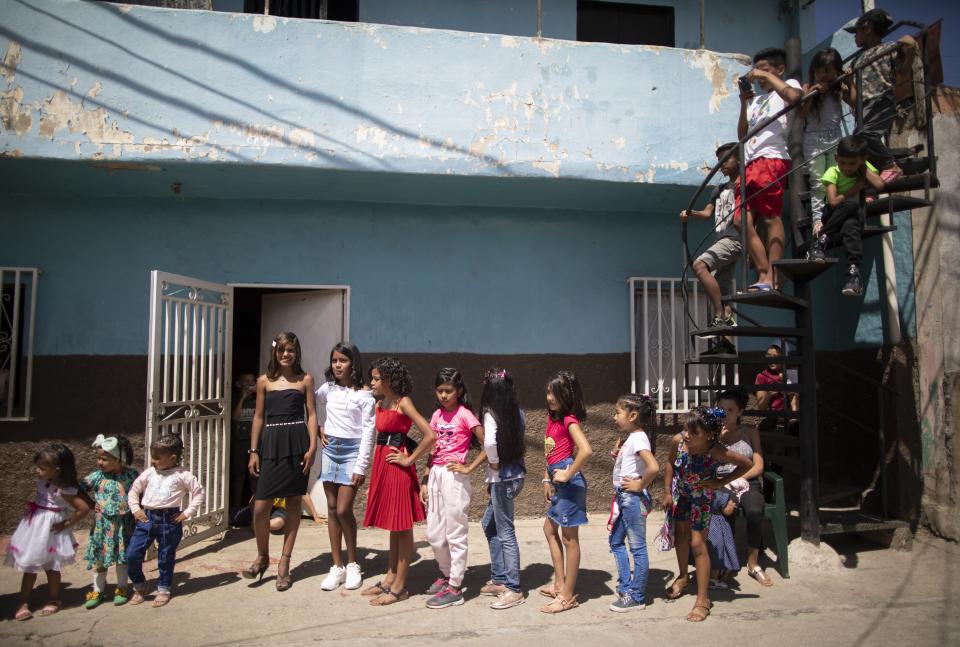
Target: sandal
point(698, 616)
point(257, 568)
point(383, 600)
point(23, 614)
point(161, 599)
point(759, 575)
point(549, 591)
point(284, 582)
point(50, 608)
point(375, 590)
point(137, 597)
point(676, 591)
point(760, 287)
point(559, 605)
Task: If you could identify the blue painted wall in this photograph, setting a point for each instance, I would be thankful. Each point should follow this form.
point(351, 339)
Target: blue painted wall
point(424, 279)
point(104, 82)
point(743, 26)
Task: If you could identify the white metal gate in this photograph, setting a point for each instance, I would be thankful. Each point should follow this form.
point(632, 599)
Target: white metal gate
point(657, 345)
point(188, 385)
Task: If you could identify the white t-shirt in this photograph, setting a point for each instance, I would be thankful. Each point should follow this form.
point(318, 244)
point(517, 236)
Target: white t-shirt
point(346, 413)
point(770, 142)
point(628, 465)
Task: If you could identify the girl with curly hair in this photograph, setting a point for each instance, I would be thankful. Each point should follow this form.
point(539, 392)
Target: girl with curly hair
point(393, 501)
point(689, 479)
point(564, 487)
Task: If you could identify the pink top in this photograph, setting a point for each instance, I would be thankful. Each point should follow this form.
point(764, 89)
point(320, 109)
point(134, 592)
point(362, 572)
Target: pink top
point(776, 397)
point(454, 429)
point(155, 490)
point(558, 444)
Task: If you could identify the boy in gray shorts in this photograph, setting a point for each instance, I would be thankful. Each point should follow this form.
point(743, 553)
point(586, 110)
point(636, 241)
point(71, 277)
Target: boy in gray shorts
point(714, 268)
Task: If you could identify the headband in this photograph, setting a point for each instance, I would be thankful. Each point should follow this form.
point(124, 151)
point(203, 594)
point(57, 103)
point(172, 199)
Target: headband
point(110, 445)
point(715, 413)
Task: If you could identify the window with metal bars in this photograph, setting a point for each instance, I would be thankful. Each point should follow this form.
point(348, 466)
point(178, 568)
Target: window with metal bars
point(18, 307)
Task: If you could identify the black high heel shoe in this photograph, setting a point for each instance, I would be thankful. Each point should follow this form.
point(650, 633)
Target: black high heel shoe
point(257, 569)
point(284, 582)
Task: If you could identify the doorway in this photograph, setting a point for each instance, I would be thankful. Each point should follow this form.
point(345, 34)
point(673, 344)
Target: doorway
point(320, 317)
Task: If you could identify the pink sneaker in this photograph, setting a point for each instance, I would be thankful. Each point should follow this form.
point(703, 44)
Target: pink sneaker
point(891, 174)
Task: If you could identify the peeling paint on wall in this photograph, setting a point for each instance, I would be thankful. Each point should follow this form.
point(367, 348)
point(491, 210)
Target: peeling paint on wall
point(712, 67)
point(264, 24)
point(10, 61)
point(13, 116)
point(58, 112)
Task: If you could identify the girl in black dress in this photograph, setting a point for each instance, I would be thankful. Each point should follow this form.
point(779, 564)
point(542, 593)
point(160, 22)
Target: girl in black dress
point(283, 444)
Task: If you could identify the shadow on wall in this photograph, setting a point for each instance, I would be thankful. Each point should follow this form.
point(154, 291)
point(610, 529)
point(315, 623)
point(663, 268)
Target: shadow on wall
point(275, 81)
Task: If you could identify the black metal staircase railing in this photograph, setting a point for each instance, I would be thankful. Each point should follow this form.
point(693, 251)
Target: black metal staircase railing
point(921, 174)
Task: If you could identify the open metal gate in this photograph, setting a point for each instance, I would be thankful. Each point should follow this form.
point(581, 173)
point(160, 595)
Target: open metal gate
point(188, 386)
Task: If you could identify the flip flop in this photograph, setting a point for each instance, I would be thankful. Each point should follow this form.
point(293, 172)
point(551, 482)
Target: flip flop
point(548, 591)
point(674, 593)
point(398, 596)
point(50, 608)
point(760, 287)
point(23, 614)
point(694, 616)
point(161, 599)
point(759, 575)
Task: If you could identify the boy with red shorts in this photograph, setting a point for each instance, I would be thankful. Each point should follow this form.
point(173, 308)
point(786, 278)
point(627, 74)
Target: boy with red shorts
point(767, 159)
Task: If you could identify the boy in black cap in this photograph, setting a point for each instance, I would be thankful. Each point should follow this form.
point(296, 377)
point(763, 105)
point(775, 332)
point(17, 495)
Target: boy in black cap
point(878, 78)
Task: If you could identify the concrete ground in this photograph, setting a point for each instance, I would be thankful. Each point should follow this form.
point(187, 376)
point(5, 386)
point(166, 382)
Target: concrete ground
point(880, 596)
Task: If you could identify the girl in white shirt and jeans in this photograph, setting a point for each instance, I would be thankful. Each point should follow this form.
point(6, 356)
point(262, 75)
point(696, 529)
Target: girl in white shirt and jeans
point(347, 429)
point(503, 425)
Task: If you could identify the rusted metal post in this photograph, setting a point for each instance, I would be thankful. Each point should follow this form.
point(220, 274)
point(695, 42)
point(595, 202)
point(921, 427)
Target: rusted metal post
point(539, 18)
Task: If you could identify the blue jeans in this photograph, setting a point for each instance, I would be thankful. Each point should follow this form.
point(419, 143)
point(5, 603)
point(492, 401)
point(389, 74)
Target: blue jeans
point(160, 527)
point(630, 527)
point(501, 536)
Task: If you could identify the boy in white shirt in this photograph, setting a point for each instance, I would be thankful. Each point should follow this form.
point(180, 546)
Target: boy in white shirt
point(767, 159)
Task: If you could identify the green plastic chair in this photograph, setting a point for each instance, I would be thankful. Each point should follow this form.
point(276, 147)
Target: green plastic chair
point(776, 512)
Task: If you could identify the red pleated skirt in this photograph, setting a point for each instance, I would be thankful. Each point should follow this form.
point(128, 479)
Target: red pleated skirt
point(393, 500)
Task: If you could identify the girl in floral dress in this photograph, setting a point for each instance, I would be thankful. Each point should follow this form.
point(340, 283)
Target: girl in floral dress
point(113, 523)
point(689, 479)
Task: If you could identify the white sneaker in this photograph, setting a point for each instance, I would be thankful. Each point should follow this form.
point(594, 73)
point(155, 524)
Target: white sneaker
point(354, 578)
point(336, 577)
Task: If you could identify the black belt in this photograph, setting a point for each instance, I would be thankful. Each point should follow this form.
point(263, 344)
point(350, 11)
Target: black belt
point(396, 439)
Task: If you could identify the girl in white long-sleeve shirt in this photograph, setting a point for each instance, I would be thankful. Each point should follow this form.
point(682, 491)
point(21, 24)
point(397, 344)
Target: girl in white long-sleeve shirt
point(347, 429)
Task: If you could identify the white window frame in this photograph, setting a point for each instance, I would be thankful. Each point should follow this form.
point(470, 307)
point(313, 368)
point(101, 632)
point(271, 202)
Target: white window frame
point(666, 386)
point(12, 343)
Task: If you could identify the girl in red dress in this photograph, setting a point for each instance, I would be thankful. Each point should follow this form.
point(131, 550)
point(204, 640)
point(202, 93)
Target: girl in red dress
point(393, 501)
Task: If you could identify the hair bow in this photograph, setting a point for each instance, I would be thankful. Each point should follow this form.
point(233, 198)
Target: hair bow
point(717, 413)
point(110, 445)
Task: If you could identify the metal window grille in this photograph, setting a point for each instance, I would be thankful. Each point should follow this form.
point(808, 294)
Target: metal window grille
point(18, 308)
point(657, 348)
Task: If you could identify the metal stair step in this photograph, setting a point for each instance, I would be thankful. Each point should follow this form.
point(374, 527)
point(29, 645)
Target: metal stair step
point(911, 183)
point(767, 299)
point(749, 331)
point(914, 165)
point(843, 522)
point(869, 231)
point(746, 388)
point(900, 203)
point(800, 269)
point(747, 358)
point(906, 152)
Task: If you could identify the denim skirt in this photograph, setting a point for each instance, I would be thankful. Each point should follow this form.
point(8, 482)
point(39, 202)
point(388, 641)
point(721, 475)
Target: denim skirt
point(568, 506)
point(339, 460)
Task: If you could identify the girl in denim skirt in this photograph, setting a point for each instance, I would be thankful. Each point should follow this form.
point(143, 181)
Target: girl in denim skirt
point(346, 434)
point(564, 487)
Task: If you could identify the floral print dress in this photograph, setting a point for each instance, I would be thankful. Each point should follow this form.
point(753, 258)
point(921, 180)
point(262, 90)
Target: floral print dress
point(691, 501)
point(113, 521)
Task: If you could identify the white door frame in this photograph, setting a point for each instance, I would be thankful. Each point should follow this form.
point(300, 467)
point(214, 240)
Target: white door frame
point(300, 286)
